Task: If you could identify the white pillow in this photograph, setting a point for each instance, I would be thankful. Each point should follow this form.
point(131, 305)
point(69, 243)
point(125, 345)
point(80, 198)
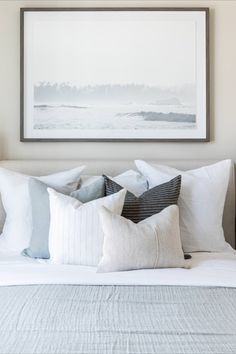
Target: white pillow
point(16, 202)
point(152, 243)
point(132, 180)
point(75, 235)
point(201, 203)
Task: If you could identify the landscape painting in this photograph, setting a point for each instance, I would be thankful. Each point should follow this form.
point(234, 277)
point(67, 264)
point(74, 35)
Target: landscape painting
point(114, 75)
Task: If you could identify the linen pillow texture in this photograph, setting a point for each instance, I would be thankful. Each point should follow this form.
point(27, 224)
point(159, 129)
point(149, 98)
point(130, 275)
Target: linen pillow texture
point(152, 243)
point(14, 189)
point(150, 202)
point(75, 235)
point(201, 203)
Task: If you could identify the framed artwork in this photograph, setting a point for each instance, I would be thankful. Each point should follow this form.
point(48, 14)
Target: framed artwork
point(114, 74)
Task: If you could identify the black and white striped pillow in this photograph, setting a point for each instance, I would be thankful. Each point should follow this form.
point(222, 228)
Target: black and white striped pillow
point(150, 202)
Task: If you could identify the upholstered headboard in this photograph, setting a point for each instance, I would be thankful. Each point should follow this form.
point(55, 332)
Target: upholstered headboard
point(97, 167)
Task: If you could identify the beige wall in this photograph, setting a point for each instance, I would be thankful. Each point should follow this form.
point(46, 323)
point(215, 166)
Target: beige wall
point(223, 91)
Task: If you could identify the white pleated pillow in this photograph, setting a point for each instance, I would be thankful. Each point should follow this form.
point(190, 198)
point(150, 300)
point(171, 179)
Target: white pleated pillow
point(201, 203)
point(75, 235)
point(152, 243)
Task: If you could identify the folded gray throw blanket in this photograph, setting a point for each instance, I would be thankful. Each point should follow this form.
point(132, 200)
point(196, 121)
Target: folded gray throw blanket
point(72, 319)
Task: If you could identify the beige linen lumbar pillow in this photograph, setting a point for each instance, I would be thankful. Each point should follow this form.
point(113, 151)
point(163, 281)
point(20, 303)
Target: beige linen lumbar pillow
point(151, 243)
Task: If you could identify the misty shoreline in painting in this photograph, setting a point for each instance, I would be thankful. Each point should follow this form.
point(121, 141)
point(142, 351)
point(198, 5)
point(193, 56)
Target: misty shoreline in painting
point(64, 106)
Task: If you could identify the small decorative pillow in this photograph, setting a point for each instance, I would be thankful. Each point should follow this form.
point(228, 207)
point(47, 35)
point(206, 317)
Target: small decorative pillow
point(133, 181)
point(150, 202)
point(92, 191)
point(201, 203)
point(92, 187)
point(152, 243)
point(76, 235)
point(14, 189)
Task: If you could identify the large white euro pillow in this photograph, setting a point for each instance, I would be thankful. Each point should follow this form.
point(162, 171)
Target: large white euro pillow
point(75, 234)
point(14, 189)
point(151, 243)
point(201, 203)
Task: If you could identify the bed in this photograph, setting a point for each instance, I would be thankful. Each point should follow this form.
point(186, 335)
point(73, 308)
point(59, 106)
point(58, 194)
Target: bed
point(67, 309)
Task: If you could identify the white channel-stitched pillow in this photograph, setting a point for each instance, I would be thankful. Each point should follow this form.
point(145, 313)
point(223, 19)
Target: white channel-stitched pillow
point(75, 235)
point(201, 203)
point(151, 243)
point(14, 189)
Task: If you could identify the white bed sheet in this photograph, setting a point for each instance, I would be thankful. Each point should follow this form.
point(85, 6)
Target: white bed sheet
point(207, 269)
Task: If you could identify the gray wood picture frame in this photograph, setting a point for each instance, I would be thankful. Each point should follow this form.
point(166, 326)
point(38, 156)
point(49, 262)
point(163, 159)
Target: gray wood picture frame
point(25, 138)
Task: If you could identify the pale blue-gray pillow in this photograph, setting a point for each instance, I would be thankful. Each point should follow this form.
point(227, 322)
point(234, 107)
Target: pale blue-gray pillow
point(38, 247)
point(91, 191)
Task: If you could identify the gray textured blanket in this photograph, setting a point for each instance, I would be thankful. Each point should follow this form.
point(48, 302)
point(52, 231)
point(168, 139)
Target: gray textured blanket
point(64, 319)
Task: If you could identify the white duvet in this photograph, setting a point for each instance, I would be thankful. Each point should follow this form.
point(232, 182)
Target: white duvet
point(206, 269)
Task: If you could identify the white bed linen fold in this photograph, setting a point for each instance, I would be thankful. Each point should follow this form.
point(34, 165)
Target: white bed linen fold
point(207, 269)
